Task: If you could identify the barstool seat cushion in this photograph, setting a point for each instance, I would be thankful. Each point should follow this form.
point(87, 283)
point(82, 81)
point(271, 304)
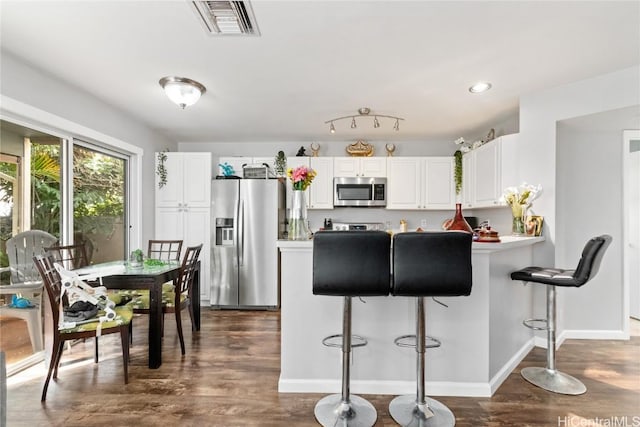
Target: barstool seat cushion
point(432, 264)
point(587, 267)
point(351, 263)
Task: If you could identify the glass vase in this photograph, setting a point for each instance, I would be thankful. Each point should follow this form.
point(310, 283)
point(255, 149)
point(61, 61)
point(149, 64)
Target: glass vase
point(458, 222)
point(298, 229)
point(519, 217)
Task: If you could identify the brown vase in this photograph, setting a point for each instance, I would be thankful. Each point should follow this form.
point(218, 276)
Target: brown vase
point(458, 222)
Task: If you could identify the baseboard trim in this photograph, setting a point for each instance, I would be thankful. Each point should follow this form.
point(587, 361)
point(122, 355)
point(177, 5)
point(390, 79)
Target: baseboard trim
point(510, 366)
point(579, 334)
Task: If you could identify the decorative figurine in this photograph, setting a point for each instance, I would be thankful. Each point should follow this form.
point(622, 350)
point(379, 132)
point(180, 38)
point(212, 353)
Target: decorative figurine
point(227, 169)
point(390, 149)
point(301, 152)
point(315, 148)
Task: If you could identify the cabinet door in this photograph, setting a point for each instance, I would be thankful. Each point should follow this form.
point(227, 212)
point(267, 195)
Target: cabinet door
point(487, 174)
point(168, 223)
point(236, 163)
point(197, 179)
point(438, 185)
point(170, 194)
point(373, 167)
point(292, 163)
point(403, 182)
point(196, 230)
point(346, 166)
point(467, 179)
point(321, 190)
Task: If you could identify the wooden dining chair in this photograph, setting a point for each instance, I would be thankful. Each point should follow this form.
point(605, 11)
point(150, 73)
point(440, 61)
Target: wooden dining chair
point(120, 324)
point(164, 250)
point(70, 257)
point(175, 300)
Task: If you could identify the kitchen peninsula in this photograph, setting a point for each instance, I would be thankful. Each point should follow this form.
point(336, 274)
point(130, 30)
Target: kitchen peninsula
point(482, 335)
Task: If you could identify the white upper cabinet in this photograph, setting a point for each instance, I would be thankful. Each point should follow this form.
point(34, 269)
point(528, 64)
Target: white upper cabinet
point(420, 183)
point(188, 180)
point(370, 167)
point(321, 189)
point(403, 182)
point(438, 184)
point(488, 170)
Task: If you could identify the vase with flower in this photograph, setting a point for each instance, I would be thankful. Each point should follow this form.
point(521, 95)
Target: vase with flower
point(301, 177)
point(519, 200)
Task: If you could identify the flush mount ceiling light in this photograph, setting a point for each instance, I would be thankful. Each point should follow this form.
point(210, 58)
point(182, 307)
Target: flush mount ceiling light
point(480, 87)
point(181, 90)
point(364, 112)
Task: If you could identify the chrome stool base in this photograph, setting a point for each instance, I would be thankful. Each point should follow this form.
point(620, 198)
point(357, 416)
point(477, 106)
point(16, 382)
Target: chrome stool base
point(554, 381)
point(332, 411)
point(406, 412)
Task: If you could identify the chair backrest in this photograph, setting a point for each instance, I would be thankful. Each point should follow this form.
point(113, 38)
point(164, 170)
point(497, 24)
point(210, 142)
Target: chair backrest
point(165, 250)
point(21, 249)
point(351, 263)
point(592, 254)
point(432, 264)
point(52, 284)
point(69, 256)
point(187, 270)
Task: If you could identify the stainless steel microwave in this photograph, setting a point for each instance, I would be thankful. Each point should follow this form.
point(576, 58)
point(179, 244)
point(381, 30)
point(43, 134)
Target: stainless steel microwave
point(359, 191)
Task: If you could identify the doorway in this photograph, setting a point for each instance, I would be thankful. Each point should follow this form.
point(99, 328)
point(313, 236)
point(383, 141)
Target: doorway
point(74, 190)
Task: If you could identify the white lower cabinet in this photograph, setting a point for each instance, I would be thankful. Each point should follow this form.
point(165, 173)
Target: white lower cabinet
point(420, 183)
point(192, 225)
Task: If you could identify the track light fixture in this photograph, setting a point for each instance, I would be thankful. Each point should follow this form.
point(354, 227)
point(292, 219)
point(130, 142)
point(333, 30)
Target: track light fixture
point(364, 112)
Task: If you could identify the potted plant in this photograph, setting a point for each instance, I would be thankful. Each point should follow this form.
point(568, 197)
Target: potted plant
point(136, 258)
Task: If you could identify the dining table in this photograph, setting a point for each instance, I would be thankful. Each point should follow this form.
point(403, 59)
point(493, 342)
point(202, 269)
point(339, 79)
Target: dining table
point(122, 275)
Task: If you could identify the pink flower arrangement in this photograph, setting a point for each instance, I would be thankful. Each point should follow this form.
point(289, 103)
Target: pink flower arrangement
point(301, 177)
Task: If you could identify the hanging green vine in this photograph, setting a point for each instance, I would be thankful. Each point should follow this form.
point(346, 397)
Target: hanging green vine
point(161, 171)
point(457, 172)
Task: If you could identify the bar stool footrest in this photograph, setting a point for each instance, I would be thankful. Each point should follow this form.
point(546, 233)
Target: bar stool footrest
point(336, 341)
point(410, 341)
point(531, 324)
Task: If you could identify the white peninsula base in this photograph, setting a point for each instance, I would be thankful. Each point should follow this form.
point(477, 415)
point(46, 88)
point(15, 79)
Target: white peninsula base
point(482, 335)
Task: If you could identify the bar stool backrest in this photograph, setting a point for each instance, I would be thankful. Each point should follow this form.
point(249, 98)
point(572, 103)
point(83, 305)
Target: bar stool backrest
point(351, 263)
point(432, 264)
point(591, 257)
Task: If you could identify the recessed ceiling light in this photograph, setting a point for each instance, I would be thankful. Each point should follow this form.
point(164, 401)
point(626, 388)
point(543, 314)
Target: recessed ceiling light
point(480, 87)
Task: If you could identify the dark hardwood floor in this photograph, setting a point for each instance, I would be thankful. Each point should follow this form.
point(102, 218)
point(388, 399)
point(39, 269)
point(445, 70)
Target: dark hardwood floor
point(229, 377)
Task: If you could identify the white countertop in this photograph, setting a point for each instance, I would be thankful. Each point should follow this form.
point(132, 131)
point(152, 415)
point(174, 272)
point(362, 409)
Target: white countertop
point(507, 242)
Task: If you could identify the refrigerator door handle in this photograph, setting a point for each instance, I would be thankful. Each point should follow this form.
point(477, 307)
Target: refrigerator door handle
point(240, 233)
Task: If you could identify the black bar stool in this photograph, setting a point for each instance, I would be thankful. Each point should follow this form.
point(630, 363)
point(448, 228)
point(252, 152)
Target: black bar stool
point(432, 264)
point(549, 378)
point(349, 264)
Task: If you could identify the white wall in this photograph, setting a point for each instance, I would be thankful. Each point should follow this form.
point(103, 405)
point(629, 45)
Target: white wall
point(35, 88)
point(539, 115)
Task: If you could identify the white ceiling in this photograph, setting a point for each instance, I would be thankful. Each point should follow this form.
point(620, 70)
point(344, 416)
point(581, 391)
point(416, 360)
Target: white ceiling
point(323, 59)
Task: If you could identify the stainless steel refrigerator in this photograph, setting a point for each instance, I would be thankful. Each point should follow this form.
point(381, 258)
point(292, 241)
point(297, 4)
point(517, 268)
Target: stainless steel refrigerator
point(248, 216)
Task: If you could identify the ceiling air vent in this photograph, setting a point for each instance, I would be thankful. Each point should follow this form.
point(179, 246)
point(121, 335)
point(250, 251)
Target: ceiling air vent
point(227, 18)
